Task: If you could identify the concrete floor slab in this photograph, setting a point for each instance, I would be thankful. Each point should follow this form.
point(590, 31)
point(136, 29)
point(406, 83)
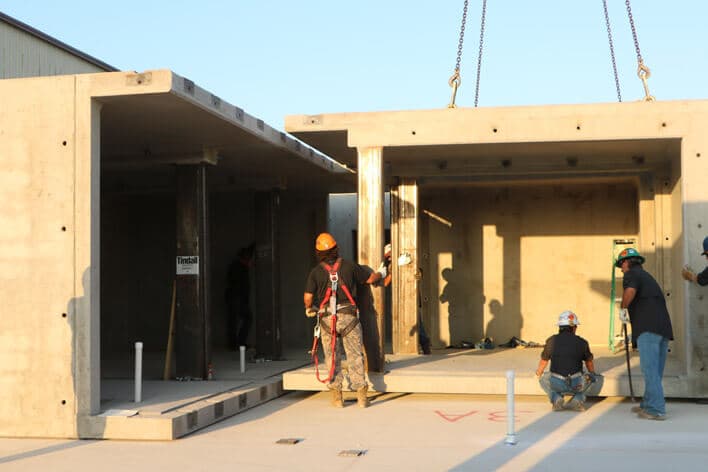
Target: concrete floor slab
point(171, 409)
point(484, 372)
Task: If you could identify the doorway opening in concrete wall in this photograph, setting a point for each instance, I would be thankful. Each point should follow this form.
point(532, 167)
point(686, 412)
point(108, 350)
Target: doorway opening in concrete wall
point(509, 250)
point(183, 193)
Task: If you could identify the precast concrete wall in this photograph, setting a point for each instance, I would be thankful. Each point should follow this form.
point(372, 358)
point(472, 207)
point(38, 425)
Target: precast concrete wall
point(38, 273)
point(506, 260)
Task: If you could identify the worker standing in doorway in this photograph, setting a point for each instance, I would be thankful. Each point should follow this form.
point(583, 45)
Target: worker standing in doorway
point(644, 306)
point(566, 352)
point(702, 277)
point(237, 297)
point(347, 275)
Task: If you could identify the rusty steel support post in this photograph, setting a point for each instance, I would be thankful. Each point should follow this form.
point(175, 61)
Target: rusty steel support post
point(267, 268)
point(192, 346)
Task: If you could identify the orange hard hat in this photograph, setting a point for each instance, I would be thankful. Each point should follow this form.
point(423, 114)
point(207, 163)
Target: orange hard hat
point(324, 242)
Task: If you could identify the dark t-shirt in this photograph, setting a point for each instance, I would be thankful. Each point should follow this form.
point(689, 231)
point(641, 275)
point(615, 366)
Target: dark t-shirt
point(702, 277)
point(238, 284)
point(350, 274)
point(566, 351)
point(648, 311)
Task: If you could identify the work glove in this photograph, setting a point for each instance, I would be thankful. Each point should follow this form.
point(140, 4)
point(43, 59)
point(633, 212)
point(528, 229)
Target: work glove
point(688, 274)
point(592, 377)
point(624, 315)
point(404, 259)
point(310, 312)
point(382, 270)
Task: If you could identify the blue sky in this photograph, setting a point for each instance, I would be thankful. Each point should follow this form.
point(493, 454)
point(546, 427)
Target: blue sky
point(279, 57)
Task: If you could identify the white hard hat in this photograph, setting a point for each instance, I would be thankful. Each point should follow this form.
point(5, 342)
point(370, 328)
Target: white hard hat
point(568, 318)
point(387, 249)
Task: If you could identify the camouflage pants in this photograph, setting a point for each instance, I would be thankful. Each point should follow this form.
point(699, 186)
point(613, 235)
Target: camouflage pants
point(353, 348)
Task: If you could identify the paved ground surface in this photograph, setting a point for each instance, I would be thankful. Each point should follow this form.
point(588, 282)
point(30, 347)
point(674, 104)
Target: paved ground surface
point(399, 432)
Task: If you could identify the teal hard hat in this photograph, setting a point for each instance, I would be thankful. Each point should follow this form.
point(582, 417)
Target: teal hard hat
point(628, 253)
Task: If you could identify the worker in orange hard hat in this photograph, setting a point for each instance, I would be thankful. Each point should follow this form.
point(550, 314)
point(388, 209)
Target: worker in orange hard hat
point(330, 293)
point(325, 242)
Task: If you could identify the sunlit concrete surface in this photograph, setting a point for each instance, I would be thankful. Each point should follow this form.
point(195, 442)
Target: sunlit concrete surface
point(399, 432)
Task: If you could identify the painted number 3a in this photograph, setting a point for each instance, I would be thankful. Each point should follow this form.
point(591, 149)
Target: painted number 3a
point(497, 416)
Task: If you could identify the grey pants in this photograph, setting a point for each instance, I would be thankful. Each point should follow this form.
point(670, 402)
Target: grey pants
point(353, 348)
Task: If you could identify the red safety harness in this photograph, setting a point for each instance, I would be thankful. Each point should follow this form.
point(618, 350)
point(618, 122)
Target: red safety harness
point(330, 299)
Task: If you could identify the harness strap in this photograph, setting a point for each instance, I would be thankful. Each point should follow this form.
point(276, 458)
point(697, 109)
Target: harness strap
point(333, 346)
point(332, 291)
point(334, 278)
point(347, 329)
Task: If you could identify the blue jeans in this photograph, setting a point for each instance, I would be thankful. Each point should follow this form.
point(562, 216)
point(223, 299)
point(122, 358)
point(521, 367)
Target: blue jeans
point(556, 388)
point(652, 358)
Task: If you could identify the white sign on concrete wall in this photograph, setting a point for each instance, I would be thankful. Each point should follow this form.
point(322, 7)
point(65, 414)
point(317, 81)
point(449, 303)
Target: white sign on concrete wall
point(187, 265)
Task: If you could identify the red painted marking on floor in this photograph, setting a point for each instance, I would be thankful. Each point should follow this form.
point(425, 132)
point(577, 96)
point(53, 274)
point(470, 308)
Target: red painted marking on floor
point(500, 415)
point(453, 418)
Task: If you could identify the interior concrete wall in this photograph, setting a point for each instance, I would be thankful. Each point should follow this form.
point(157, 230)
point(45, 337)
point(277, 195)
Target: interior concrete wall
point(38, 270)
point(138, 247)
point(342, 221)
point(232, 228)
point(512, 257)
point(303, 217)
point(137, 262)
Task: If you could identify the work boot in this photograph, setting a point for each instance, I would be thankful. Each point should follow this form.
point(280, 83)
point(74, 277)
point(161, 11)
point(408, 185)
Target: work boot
point(636, 409)
point(576, 405)
point(337, 400)
point(558, 404)
point(649, 416)
point(361, 399)
point(426, 348)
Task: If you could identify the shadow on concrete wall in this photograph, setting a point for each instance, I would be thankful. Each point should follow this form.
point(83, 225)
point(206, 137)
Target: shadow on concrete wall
point(459, 231)
point(85, 381)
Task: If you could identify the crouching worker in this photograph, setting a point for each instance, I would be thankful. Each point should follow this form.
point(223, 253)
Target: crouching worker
point(566, 352)
point(330, 293)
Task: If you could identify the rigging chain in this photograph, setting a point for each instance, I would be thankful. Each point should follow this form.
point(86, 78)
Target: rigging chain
point(479, 57)
point(455, 80)
point(612, 51)
point(642, 70)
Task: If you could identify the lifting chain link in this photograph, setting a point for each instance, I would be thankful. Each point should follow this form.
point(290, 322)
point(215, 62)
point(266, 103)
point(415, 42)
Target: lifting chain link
point(455, 80)
point(642, 70)
point(479, 57)
point(612, 51)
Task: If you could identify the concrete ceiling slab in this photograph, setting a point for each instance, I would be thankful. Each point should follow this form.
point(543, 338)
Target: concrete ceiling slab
point(143, 135)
